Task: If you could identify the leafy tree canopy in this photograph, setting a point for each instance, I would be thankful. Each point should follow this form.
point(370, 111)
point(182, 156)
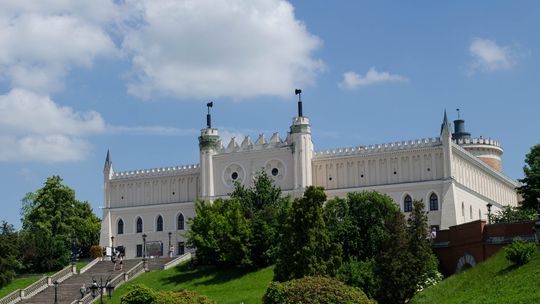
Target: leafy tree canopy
point(9, 251)
point(531, 182)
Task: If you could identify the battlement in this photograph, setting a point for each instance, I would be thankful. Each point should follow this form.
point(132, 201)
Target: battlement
point(386, 147)
point(155, 172)
point(477, 141)
point(247, 145)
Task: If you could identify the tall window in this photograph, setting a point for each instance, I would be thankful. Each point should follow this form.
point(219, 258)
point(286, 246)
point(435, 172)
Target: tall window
point(180, 224)
point(407, 203)
point(139, 250)
point(433, 202)
point(139, 225)
point(470, 211)
point(181, 248)
point(120, 227)
point(159, 224)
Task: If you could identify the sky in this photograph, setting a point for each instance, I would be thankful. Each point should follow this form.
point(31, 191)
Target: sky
point(134, 76)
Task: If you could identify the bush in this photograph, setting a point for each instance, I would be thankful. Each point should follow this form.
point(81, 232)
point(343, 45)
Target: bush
point(314, 290)
point(138, 294)
point(520, 252)
point(359, 274)
point(182, 297)
point(96, 251)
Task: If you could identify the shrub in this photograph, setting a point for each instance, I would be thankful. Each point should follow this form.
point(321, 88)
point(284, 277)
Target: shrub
point(182, 297)
point(314, 290)
point(138, 294)
point(360, 274)
point(96, 251)
point(520, 252)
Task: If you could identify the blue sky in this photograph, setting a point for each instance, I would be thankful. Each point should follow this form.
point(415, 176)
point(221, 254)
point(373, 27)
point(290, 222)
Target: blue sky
point(133, 76)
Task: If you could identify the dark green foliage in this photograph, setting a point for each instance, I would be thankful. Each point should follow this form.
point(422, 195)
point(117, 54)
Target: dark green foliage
point(221, 233)
point(359, 274)
point(358, 222)
point(9, 241)
point(520, 252)
point(423, 261)
point(54, 225)
point(243, 230)
point(314, 290)
point(139, 294)
point(96, 251)
point(531, 182)
point(393, 269)
point(305, 247)
point(509, 214)
point(182, 297)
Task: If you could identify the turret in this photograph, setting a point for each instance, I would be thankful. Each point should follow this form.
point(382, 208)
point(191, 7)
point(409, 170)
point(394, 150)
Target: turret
point(209, 144)
point(302, 146)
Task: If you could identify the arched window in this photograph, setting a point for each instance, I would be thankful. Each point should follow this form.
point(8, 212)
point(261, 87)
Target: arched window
point(180, 222)
point(120, 227)
point(159, 224)
point(139, 225)
point(407, 203)
point(433, 202)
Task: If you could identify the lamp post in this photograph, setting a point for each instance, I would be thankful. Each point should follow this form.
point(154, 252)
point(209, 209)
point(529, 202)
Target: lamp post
point(489, 205)
point(170, 253)
point(112, 243)
point(55, 283)
point(144, 247)
point(99, 287)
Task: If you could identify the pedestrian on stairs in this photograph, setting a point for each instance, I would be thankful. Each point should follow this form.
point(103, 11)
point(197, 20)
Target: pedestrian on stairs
point(83, 291)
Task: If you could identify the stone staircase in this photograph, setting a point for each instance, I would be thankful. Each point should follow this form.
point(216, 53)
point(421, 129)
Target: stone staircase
point(69, 290)
point(157, 264)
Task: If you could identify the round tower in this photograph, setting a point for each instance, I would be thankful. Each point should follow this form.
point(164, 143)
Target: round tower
point(486, 149)
point(208, 147)
point(300, 136)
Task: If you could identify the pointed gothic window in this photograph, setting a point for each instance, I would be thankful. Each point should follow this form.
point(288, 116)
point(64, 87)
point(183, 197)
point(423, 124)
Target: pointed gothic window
point(407, 203)
point(180, 224)
point(139, 225)
point(433, 202)
point(120, 227)
point(159, 224)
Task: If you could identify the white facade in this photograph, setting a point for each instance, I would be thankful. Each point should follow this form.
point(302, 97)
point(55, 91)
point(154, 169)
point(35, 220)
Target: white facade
point(455, 177)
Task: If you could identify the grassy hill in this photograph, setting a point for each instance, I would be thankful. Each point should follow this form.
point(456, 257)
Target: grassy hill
point(494, 281)
point(224, 286)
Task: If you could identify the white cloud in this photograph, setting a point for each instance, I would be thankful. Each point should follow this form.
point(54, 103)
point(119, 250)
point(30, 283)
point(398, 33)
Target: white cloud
point(206, 48)
point(488, 56)
point(352, 80)
point(42, 40)
point(34, 128)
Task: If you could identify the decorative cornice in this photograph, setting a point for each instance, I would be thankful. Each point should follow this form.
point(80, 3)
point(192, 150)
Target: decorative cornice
point(410, 145)
point(207, 142)
point(157, 172)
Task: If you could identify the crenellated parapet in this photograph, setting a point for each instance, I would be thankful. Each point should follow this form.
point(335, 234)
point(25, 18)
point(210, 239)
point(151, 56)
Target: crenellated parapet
point(157, 172)
point(477, 141)
point(486, 149)
point(378, 148)
point(247, 144)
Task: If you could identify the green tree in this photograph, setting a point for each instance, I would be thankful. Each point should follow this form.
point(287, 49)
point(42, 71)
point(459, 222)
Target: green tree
point(305, 247)
point(221, 233)
point(510, 214)
point(54, 223)
point(393, 271)
point(9, 251)
point(423, 262)
point(530, 190)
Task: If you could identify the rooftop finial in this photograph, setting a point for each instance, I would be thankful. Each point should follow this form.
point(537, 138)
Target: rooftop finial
point(457, 113)
point(208, 117)
point(108, 161)
point(444, 124)
point(299, 93)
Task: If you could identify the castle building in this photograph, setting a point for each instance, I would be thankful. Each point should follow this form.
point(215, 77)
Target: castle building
point(455, 175)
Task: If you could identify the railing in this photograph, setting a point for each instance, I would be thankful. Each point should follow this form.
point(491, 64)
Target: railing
point(33, 289)
point(178, 260)
point(89, 265)
point(62, 274)
point(13, 297)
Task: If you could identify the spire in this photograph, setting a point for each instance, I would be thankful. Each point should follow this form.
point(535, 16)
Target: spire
point(444, 125)
point(108, 161)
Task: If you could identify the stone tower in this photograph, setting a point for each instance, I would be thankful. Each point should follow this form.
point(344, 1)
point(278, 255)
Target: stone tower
point(302, 147)
point(209, 145)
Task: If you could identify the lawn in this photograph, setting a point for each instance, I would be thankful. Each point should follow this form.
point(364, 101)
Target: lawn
point(494, 281)
point(232, 286)
point(19, 282)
